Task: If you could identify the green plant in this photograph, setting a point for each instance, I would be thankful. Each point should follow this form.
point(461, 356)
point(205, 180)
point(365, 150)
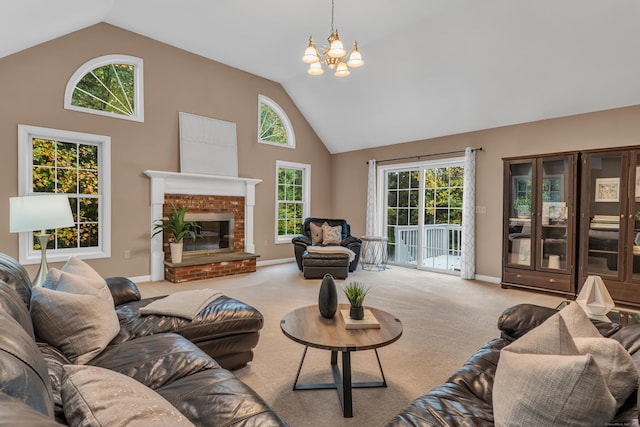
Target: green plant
point(355, 293)
point(175, 225)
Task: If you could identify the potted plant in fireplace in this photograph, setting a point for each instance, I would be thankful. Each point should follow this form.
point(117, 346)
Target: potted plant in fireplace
point(178, 228)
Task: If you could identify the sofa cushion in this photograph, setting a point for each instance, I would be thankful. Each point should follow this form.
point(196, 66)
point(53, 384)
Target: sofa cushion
point(543, 379)
point(14, 412)
point(331, 235)
point(216, 397)
point(155, 360)
point(94, 396)
point(23, 372)
point(77, 277)
point(316, 233)
point(79, 325)
point(223, 317)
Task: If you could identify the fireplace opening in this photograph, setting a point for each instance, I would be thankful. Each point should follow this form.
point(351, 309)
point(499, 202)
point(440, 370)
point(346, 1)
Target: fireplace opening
point(214, 234)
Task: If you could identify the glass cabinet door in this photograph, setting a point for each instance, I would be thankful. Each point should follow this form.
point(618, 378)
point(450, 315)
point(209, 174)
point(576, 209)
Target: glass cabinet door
point(604, 193)
point(633, 239)
point(520, 206)
point(556, 197)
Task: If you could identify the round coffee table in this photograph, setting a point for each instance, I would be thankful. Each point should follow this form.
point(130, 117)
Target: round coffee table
point(306, 326)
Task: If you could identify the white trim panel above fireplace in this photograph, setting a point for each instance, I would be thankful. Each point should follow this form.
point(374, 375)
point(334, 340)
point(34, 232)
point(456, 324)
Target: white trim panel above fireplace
point(209, 185)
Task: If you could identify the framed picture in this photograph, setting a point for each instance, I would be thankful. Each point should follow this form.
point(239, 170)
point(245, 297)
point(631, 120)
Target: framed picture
point(607, 190)
point(554, 212)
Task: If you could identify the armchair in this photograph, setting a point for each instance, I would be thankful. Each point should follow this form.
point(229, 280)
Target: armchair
point(302, 241)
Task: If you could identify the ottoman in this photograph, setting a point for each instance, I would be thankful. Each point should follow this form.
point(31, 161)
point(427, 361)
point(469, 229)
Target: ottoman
point(315, 265)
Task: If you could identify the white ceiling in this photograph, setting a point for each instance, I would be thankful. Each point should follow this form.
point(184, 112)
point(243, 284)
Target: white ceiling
point(433, 67)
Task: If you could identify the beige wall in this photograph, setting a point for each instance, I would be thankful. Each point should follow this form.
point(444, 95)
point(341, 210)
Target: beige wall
point(613, 128)
point(32, 88)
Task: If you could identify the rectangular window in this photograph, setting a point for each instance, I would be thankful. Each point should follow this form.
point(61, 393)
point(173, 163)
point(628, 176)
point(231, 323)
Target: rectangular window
point(292, 199)
point(77, 165)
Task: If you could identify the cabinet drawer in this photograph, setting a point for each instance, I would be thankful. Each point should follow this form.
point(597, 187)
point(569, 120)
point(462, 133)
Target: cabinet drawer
point(537, 279)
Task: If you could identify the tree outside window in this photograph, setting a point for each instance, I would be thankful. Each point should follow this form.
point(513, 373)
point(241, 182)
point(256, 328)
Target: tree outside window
point(292, 205)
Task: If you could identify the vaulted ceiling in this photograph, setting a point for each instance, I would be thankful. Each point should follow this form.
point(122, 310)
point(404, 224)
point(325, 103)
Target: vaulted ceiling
point(432, 67)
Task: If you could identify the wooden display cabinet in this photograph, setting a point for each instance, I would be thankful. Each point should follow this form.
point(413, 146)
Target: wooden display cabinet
point(610, 222)
point(539, 232)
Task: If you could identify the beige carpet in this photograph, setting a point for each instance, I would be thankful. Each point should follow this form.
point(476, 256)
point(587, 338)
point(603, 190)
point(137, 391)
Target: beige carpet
point(445, 320)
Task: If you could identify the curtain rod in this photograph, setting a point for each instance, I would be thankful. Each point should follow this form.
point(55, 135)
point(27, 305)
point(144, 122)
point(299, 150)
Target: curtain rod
point(425, 155)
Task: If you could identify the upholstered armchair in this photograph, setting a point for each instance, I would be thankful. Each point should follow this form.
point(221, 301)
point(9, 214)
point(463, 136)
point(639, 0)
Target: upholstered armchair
point(312, 235)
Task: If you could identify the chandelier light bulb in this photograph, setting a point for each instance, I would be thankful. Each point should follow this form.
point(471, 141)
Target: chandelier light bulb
point(342, 70)
point(355, 59)
point(336, 49)
point(315, 69)
point(311, 53)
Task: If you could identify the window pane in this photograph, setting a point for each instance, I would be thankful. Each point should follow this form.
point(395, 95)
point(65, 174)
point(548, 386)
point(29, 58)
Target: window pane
point(89, 157)
point(43, 152)
point(88, 181)
point(88, 209)
point(88, 235)
point(67, 237)
point(44, 180)
point(271, 127)
point(67, 181)
point(108, 88)
point(66, 155)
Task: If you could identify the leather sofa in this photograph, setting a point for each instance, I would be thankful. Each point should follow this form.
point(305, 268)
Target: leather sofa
point(227, 329)
point(321, 263)
point(465, 399)
point(40, 385)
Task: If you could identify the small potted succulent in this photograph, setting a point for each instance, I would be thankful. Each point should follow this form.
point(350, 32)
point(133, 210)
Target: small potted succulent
point(355, 293)
point(178, 228)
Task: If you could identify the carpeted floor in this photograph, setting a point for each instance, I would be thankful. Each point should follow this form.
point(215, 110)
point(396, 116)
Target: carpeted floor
point(445, 320)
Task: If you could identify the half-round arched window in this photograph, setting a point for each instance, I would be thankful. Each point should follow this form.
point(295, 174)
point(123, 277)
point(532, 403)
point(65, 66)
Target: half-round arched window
point(274, 126)
point(110, 85)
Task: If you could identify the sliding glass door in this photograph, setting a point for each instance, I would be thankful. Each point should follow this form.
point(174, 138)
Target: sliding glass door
point(423, 214)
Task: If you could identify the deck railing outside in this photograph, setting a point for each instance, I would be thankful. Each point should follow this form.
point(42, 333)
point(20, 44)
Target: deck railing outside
point(439, 240)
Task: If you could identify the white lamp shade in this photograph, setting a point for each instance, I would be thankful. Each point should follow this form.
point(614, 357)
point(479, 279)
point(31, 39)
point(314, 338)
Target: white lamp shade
point(31, 213)
point(310, 55)
point(355, 59)
point(342, 70)
point(336, 49)
point(315, 69)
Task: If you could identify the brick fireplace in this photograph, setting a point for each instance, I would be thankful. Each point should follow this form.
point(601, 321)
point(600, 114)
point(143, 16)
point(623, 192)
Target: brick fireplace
point(204, 194)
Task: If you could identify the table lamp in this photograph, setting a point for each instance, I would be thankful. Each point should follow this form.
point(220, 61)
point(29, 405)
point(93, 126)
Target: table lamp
point(40, 213)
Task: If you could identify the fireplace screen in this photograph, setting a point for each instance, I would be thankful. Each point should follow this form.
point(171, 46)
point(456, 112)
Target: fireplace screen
point(214, 235)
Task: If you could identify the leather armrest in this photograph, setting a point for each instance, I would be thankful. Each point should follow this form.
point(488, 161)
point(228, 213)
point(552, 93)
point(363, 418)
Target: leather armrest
point(520, 319)
point(351, 240)
point(123, 290)
point(301, 240)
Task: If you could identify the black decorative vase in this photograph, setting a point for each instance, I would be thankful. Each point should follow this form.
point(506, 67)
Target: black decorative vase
point(328, 297)
point(356, 313)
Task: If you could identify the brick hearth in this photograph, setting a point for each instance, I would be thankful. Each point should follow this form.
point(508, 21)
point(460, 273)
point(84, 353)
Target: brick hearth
point(206, 267)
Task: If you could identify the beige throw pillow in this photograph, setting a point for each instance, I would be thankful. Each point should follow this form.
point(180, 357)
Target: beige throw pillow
point(80, 325)
point(331, 235)
point(316, 233)
point(94, 396)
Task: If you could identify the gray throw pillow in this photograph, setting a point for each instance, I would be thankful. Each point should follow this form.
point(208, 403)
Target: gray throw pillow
point(316, 233)
point(543, 379)
point(331, 235)
point(94, 396)
point(81, 326)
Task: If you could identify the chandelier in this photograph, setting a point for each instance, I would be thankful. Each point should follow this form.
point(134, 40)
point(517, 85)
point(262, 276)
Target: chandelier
point(333, 56)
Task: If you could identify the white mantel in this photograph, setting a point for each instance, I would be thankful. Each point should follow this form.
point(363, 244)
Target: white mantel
point(197, 184)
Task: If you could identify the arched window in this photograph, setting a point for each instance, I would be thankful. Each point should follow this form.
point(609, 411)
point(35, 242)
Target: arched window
point(274, 126)
point(110, 85)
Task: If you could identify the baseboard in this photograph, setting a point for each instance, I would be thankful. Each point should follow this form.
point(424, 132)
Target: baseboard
point(140, 279)
point(275, 262)
point(489, 279)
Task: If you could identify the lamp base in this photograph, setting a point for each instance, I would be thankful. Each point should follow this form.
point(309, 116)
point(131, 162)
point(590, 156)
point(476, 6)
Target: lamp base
point(43, 239)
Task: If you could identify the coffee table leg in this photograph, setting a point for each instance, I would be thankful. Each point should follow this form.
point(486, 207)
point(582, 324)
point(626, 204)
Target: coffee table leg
point(346, 384)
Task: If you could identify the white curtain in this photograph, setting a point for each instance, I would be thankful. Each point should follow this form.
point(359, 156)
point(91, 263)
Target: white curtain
point(468, 258)
point(372, 208)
